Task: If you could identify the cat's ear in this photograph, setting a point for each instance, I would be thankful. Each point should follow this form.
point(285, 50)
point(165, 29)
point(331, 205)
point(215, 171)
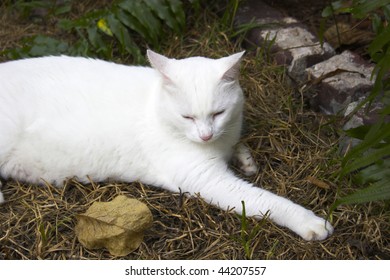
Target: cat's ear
point(157, 61)
point(231, 66)
point(160, 63)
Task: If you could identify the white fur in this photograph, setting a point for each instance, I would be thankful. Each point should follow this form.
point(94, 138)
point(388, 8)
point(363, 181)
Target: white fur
point(172, 126)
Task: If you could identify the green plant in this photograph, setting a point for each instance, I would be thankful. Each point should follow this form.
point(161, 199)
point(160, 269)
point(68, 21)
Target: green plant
point(229, 15)
point(54, 8)
point(369, 161)
point(118, 28)
point(246, 236)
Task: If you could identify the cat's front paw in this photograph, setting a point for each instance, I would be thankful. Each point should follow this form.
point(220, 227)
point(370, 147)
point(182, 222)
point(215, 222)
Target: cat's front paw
point(244, 160)
point(314, 228)
point(249, 167)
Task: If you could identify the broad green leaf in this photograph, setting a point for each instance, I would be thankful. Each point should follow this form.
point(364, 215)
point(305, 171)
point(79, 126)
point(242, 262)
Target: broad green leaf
point(367, 159)
point(140, 11)
point(374, 173)
point(66, 24)
point(377, 191)
point(366, 7)
point(176, 7)
point(34, 4)
point(94, 37)
point(358, 132)
point(336, 7)
point(386, 110)
point(80, 48)
point(66, 8)
point(386, 12)
point(96, 40)
point(380, 41)
point(382, 67)
point(133, 23)
point(375, 135)
point(327, 12)
point(44, 45)
point(122, 34)
point(161, 9)
point(377, 24)
point(117, 29)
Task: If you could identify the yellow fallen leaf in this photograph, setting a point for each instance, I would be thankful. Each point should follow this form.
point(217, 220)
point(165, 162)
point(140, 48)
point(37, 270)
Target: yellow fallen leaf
point(117, 225)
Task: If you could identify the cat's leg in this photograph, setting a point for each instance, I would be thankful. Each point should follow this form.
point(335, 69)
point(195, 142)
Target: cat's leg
point(220, 187)
point(243, 159)
point(258, 202)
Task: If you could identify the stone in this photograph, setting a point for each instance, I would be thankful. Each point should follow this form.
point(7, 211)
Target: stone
point(339, 81)
point(363, 116)
point(297, 48)
point(117, 225)
point(259, 12)
point(289, 42)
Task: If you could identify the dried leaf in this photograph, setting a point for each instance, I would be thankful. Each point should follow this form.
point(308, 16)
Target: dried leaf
point(345, 34)
point(117, 225)
point(318, 183)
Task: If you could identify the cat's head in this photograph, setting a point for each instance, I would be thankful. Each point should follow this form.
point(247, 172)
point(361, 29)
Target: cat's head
point(200, 98)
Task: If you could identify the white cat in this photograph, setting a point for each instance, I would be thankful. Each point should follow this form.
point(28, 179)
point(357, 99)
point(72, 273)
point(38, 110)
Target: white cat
point(172, 126)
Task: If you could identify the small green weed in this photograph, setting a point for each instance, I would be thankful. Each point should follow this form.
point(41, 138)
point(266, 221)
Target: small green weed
point(247, 235)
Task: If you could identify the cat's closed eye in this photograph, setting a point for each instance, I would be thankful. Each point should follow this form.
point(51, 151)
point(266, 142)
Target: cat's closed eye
point(216, 114)
point(187, 117)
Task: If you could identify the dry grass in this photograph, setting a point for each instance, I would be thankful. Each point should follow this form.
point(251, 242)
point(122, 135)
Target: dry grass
point(294, 147)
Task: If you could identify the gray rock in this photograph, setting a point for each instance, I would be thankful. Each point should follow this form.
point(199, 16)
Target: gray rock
point(289, 42)
point(339, 81)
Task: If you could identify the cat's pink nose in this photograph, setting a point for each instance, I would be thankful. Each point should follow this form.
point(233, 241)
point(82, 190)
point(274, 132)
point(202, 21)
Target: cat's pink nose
point(206, 137)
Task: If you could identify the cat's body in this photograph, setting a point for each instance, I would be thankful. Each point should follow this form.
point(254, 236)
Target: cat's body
point(172, 126)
